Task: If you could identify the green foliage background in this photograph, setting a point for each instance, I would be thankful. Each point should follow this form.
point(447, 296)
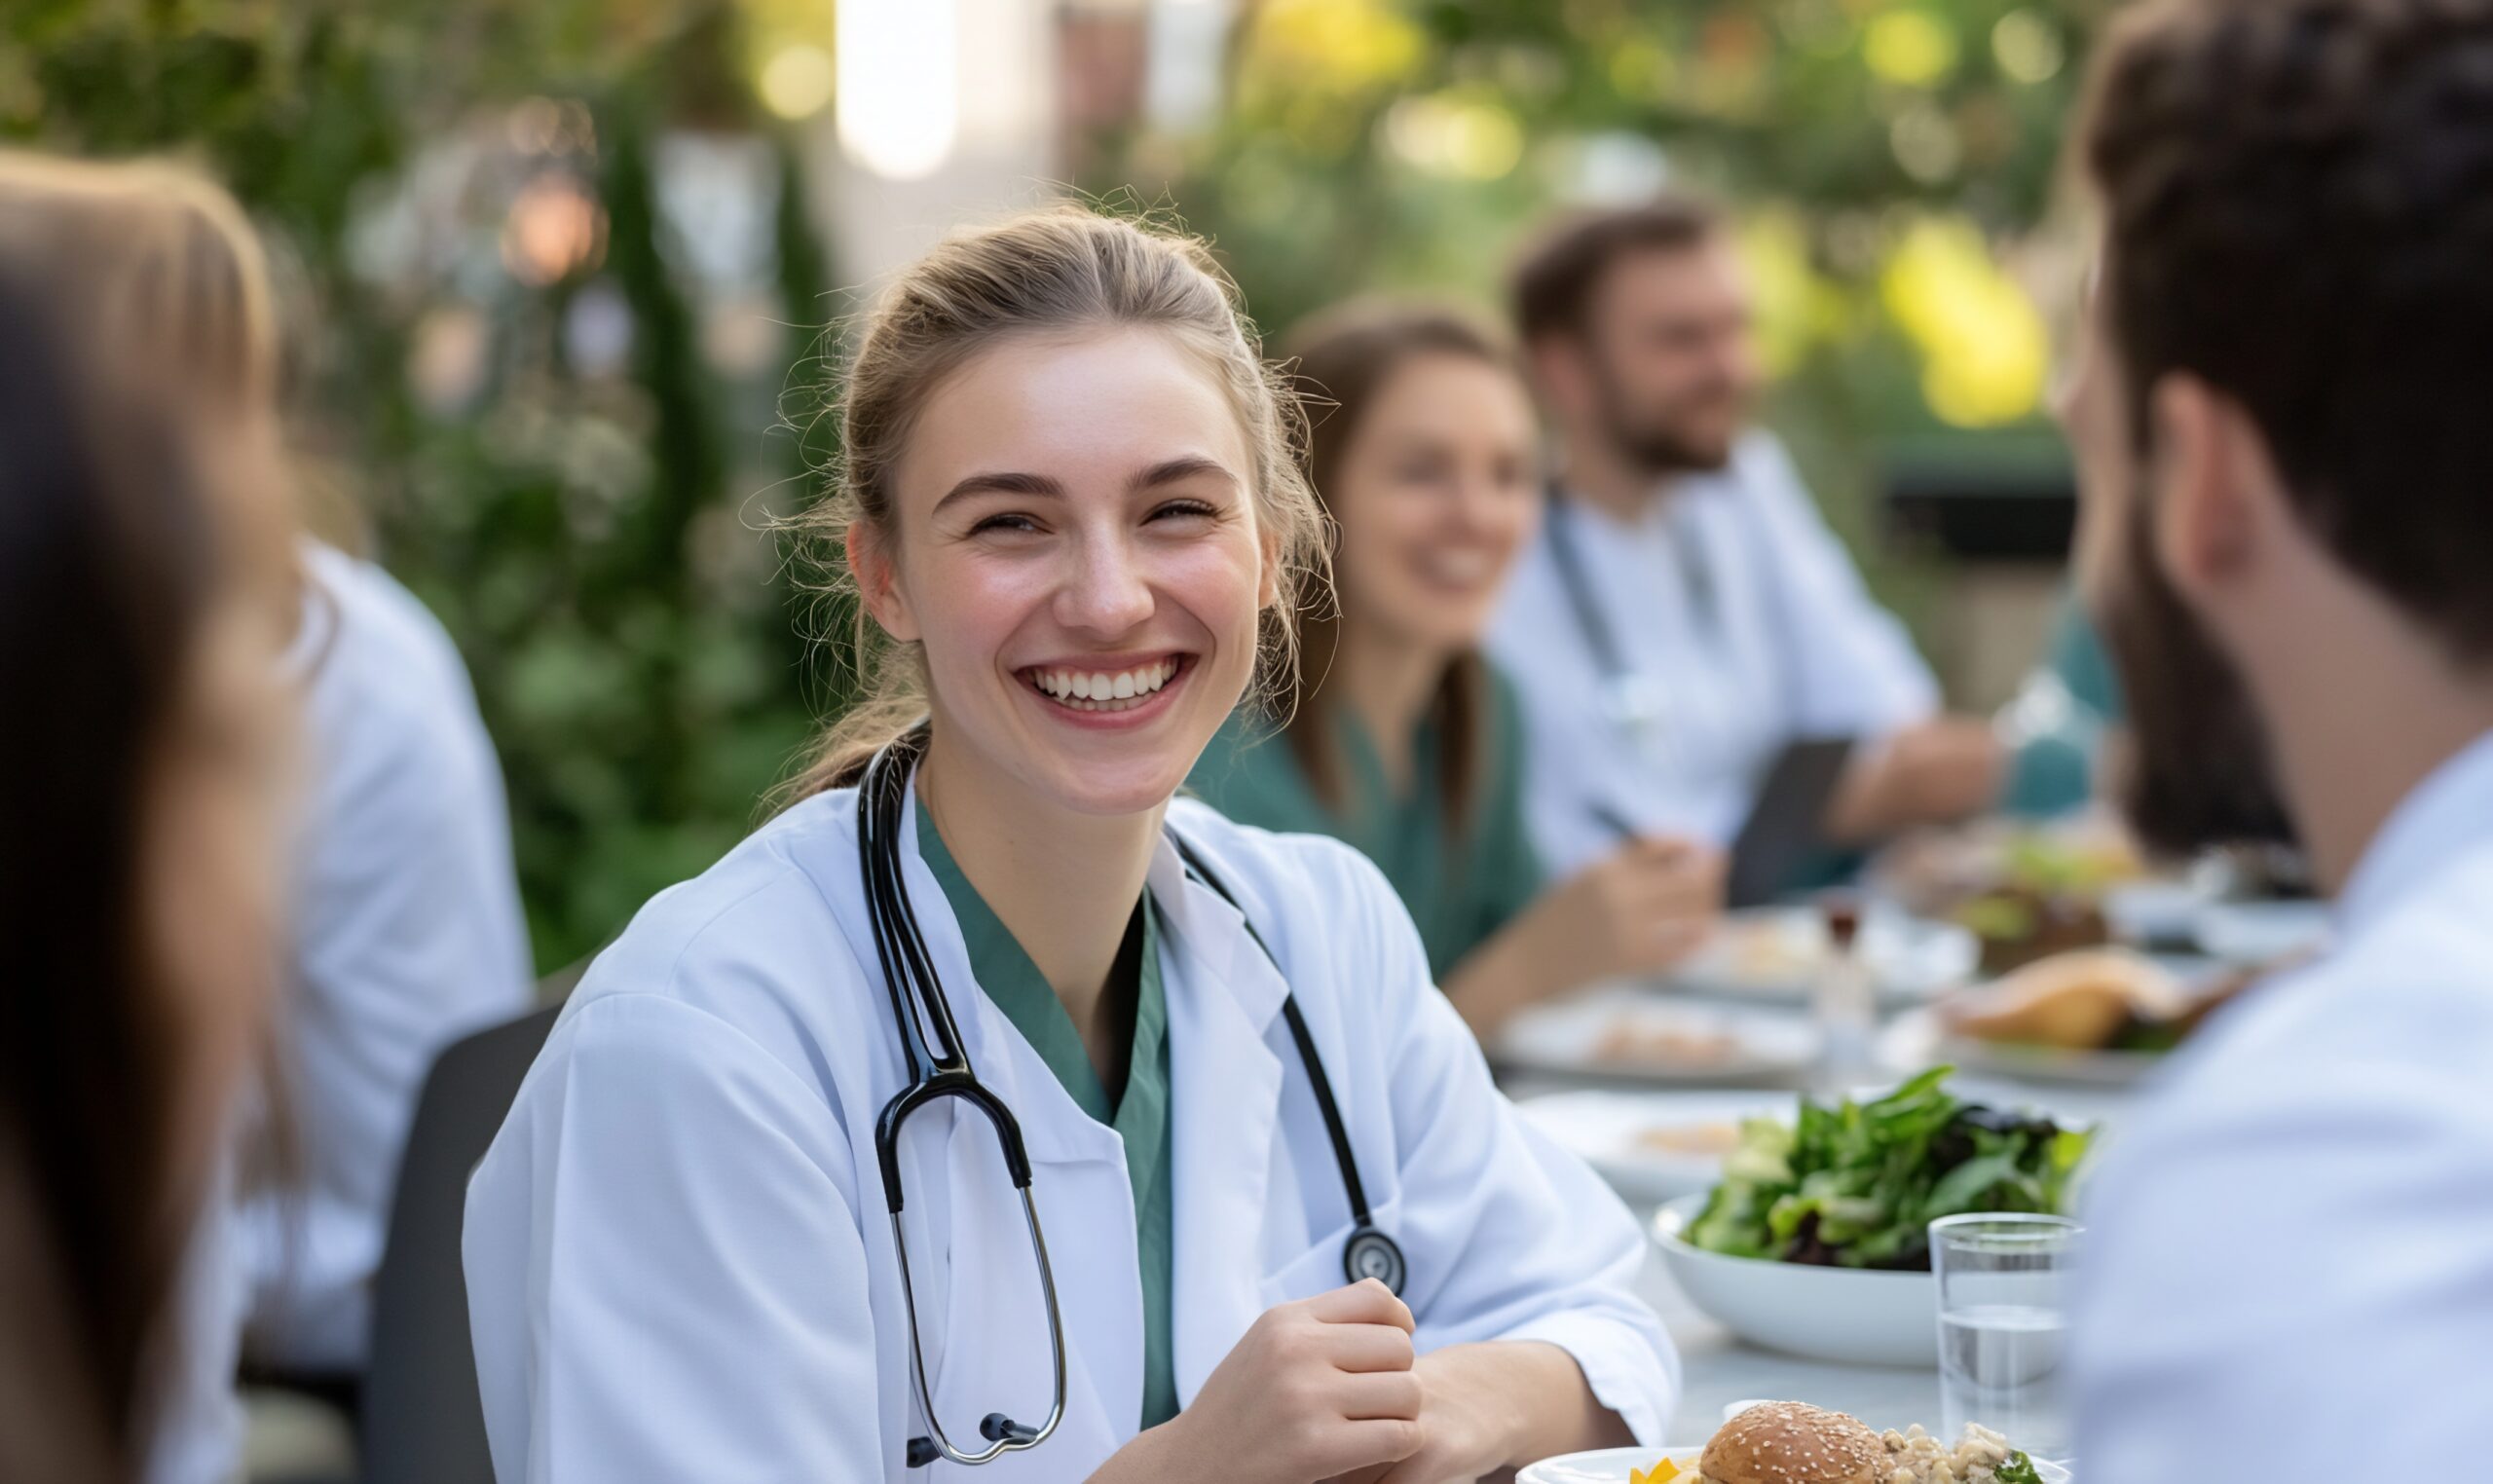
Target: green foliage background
point(593, 541)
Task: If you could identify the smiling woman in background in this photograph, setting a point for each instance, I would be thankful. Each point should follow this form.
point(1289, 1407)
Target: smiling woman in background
point(1404, 741)
point(140, 611)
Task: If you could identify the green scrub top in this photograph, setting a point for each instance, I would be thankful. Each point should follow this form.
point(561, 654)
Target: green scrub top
point(1138, 1111)
point(1462, 886)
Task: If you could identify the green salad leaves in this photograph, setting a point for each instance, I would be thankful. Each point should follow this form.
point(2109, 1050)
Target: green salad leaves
point(2018, 1469)
point(1857, 1185)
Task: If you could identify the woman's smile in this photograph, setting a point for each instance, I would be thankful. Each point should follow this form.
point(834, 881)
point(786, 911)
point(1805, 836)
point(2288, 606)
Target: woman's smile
point(1108, 690)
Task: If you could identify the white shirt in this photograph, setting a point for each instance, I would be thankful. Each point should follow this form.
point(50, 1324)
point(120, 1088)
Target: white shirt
point(1741, 613)
point(680, 1263)
point(2289, 1267)
point(408, 934)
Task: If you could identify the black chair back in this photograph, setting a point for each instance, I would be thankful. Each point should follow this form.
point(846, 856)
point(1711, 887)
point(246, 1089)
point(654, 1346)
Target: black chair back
point(422, 1423)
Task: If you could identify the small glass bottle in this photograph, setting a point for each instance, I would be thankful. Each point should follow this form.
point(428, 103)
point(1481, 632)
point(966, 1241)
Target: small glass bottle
point(1842, 1001)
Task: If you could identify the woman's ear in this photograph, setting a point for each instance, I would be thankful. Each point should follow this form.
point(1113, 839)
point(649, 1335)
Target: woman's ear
point(1268, 586)
point(870, 566)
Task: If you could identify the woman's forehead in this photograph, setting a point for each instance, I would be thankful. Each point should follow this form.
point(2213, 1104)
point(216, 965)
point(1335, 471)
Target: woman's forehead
point(1085, 411)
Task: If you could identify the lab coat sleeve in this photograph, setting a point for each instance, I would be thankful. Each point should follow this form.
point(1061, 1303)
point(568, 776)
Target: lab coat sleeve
point(1508, 1237)
point(666, 1278)
point(2289, 1282)
point(1856, 670)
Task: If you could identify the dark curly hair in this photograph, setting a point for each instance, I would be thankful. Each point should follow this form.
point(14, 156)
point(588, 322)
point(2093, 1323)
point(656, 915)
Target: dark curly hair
point(2299, 211)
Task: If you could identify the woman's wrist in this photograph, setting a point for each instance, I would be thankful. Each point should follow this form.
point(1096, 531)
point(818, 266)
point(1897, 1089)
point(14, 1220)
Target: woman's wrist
point(1531, 1398)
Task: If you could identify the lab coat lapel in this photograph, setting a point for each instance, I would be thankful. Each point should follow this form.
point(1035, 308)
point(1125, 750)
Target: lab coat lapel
point(1225, 1094)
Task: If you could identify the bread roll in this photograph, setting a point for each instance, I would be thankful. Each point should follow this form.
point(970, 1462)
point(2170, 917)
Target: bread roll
point(1784, 1443)
point(2073, 1000)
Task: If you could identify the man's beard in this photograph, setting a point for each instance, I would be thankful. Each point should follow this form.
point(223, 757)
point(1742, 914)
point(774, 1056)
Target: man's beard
point(2200, 772)
point(1660, 445)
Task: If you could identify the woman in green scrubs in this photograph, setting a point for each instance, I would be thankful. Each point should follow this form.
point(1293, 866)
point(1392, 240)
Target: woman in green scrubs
point(1398, 738)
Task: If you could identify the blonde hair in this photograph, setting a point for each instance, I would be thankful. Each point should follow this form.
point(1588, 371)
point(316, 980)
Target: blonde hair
point(159, 261)
point(1062, 268)
point(169, 288)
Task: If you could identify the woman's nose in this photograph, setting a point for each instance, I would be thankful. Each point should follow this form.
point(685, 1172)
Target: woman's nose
point(1107, 591)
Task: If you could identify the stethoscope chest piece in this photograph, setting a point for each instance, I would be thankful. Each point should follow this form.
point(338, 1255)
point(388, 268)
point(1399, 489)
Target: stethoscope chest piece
point(1370, 1254)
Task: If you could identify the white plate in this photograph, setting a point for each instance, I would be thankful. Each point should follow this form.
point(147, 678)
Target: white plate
point(1776, 953)
point(2255, 934)
point(1572, 1038)
point(1605, 1129)
point(1917, 1040)
point(1620, 1465)
point(1610, 1466)
point(1854, 1316)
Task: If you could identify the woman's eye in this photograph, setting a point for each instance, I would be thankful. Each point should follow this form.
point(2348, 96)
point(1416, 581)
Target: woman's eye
point(1008, 521)
point(1181, 509)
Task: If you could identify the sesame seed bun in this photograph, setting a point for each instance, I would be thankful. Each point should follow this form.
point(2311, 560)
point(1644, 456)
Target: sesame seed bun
point(1783, 1443)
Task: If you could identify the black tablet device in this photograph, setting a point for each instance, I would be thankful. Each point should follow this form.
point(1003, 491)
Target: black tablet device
point(1786, 828)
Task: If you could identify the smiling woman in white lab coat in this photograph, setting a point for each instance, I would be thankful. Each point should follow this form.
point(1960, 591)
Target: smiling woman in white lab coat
point(1070, 509)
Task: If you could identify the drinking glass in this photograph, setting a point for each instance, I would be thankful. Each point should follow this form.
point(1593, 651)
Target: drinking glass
point(2003, 1313)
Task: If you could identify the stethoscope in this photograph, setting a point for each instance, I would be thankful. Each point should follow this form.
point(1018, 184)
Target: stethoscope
point(924, 1018)
point(1633, 702)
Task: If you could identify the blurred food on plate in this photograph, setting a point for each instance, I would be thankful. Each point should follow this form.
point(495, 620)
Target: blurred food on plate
point(2024, 891)
point(1718, 1137)
point(2097, 999)
point(1648, 1045)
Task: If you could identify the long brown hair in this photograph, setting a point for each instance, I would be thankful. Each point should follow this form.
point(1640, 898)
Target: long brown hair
point(1060, 269)
point(131, 509)
point(1345, 356)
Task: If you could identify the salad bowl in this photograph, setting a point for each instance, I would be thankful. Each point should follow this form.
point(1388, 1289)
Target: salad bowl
point(1854, 1316)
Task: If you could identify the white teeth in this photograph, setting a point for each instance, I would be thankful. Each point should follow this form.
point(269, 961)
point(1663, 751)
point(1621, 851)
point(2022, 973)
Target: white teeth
point(1094, 690)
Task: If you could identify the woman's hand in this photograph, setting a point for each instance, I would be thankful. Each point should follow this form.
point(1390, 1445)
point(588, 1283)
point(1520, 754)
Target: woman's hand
point(1485, 1408)
point(1638, 910)
point(1316, 1388)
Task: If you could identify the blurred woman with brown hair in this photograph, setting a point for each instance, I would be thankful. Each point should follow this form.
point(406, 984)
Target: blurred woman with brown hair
point(1398, 736)
point(139, 592)
point(404, 925)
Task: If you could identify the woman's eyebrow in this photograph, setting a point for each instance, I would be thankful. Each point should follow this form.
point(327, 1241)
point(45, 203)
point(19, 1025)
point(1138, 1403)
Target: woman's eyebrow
point(1003, 482)
point(1174, 470)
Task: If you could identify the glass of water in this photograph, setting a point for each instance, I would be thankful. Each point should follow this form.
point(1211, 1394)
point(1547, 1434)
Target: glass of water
point(2003, 1312)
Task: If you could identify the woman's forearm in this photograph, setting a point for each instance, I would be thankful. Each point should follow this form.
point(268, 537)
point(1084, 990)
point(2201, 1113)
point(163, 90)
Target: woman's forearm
point(1500, 978)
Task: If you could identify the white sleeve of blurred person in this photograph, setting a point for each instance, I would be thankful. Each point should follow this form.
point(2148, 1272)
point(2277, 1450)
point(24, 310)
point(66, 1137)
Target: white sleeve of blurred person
point(408, 934)
point(1852, 671)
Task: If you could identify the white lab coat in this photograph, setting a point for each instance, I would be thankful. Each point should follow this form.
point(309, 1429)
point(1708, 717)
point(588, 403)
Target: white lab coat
point(679, 1261)
point(408, 934)
point(1791, 645)
point(2289, 1265)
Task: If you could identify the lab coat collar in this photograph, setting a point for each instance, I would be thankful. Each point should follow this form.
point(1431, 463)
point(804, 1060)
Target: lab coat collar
point(2450, 811)
point(1213, 935)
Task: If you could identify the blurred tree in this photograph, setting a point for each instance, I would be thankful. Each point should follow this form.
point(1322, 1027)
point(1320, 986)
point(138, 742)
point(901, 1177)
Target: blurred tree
point(507, 368)
point(1889, 161)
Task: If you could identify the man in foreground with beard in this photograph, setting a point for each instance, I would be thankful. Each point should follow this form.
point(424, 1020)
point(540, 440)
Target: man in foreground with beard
point(1684, 612)
point(2283, 422)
